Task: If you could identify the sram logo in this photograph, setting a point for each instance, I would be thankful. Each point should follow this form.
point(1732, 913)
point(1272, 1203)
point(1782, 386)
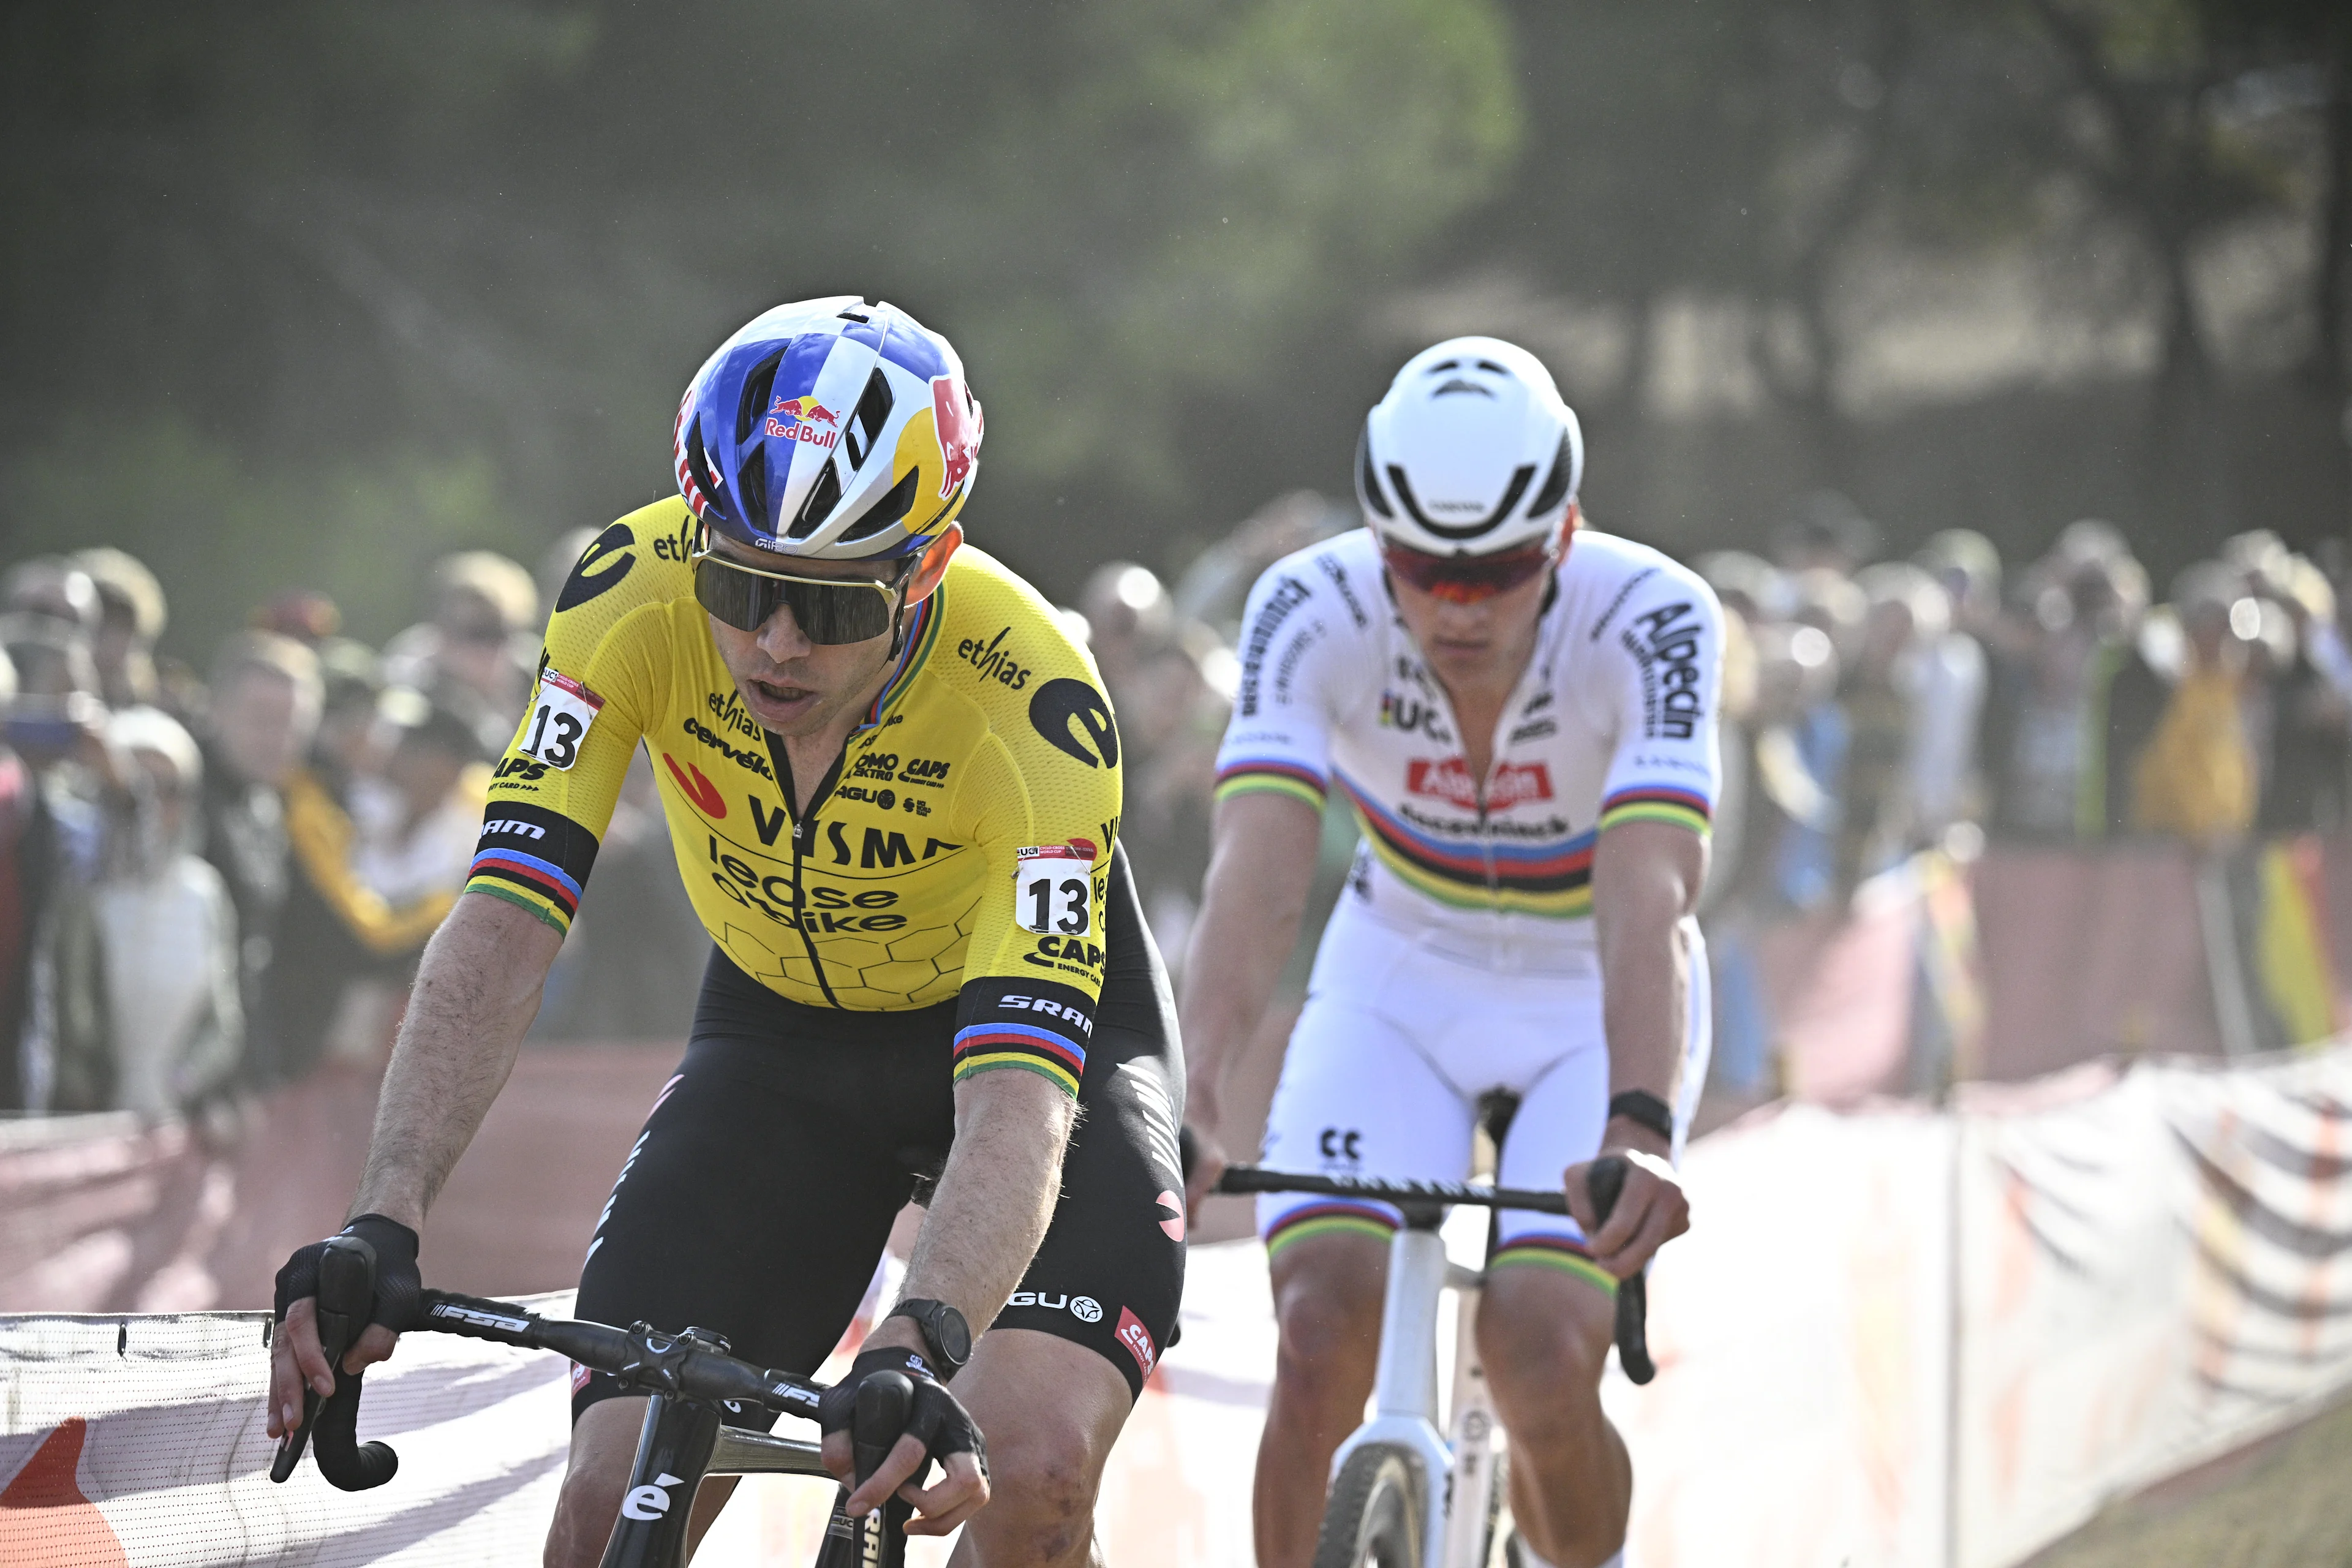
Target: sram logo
point(509, 824)
point(1514, 784)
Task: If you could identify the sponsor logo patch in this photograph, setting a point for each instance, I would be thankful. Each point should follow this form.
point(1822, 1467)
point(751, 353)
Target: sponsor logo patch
point(1514, 783)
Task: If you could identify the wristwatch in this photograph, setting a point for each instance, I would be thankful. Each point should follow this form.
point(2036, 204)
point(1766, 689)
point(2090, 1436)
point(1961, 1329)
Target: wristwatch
point(946, 1336)
point(1643, 1108)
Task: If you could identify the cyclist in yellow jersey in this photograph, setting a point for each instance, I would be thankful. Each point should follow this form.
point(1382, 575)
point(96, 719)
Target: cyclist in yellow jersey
point(892, 784)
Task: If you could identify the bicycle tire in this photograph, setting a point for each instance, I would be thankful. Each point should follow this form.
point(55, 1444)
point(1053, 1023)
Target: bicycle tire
point(1375, 1516)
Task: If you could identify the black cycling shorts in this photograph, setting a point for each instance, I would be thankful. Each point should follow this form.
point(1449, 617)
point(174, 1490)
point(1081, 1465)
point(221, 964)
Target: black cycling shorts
point(757, 1201)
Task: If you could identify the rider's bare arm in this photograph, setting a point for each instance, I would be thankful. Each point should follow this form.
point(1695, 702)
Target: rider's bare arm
point(1260, 866)
point(476, 992)
point(995, 1201)
point(1646, 878)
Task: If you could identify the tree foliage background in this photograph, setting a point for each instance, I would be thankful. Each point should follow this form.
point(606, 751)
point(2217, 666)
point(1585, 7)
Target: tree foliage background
point(307, 293)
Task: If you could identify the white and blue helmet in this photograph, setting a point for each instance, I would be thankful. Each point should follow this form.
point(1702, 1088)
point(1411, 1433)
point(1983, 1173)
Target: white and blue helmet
point(830, 428)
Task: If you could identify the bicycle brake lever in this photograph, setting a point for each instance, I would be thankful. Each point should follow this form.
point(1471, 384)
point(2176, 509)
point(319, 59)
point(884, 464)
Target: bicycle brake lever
point(1606, 1181)
point(885, 1399)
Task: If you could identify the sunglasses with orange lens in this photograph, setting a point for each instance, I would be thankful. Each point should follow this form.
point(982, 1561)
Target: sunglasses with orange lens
point(1467, 579)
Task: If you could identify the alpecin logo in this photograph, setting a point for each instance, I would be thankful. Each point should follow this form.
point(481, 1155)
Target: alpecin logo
point(1514, 783)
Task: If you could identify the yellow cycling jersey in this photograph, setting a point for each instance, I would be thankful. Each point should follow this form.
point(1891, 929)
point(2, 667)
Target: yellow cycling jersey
point(959, 848)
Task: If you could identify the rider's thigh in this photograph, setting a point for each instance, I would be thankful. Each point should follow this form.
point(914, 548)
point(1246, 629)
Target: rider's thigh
point(1357, 1098)
point(1050, 1409)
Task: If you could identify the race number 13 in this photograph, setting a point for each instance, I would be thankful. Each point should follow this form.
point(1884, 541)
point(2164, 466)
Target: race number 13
point(559, 716)
point(1053, 891)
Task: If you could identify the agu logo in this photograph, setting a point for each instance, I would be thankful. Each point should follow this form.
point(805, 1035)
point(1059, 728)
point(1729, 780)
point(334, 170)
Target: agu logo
point(797, 418)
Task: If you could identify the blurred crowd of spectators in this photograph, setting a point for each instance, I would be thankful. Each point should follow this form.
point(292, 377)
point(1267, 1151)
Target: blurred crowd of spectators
point(211, 882)
point(1873, 710)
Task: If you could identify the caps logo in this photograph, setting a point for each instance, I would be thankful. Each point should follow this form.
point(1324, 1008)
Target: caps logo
point(1138, 1340)
point(1514, 783)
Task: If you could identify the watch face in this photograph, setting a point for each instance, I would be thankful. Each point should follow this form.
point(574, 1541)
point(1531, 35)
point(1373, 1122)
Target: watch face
point(953, 1334)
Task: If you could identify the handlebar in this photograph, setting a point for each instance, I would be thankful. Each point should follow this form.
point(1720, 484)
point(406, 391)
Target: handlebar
point(1606, 1180)
point(643, 1360)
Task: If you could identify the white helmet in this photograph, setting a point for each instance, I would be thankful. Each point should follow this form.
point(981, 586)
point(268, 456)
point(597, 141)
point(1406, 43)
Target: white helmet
point(1471, 451)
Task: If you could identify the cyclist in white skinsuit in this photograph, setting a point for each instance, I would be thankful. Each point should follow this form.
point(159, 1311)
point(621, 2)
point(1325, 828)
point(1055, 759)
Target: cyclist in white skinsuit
point(1522, 715)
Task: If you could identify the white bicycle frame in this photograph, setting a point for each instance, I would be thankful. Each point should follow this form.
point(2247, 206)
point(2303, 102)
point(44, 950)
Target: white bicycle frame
point(1404, 1397)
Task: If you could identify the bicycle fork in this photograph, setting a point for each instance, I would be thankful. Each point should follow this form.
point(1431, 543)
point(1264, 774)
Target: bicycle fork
point(1404, 1396)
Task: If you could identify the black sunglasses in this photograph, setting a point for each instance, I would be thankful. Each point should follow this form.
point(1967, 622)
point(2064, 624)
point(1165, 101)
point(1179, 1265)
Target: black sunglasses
point(828, 610)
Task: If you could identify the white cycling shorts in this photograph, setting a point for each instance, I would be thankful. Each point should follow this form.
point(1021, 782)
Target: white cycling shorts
point(1393, 1051)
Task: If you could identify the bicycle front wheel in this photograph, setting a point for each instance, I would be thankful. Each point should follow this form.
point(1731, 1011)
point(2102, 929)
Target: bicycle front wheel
point(1376, 1517)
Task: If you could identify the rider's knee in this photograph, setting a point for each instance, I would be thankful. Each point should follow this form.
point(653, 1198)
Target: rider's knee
point(602, 1448)
point(1041, 1496)
point(1326, 1335)
point(1545, 1339)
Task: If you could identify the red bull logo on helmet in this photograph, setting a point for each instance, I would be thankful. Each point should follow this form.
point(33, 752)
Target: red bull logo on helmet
point(797, 418)
point(956, 421)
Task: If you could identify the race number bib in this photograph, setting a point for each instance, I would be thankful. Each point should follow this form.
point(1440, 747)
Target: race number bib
point(559, 716)
point(1053, 891)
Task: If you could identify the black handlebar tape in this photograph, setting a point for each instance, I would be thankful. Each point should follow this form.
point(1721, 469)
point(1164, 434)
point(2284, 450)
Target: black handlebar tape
point(1257, 1179)
point(1605, 1181)
point(346, 1298)
point(885, 1399)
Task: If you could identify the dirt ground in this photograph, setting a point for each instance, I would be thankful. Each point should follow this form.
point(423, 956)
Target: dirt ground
point(2285, 1504)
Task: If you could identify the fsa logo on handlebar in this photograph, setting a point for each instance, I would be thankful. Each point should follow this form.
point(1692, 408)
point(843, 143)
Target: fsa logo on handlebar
point(653, 1501)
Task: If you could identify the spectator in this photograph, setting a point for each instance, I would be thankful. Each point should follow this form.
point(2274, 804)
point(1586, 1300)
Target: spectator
point(28, 876)
point(305, 615)
point(2305, 785)
point(415, 822)
point(2074, 700)
point(130, 615)
point(1880, 697)
point(418, 819)
point(2196, 779)
point(335, 930)
point(1824, 531)
point(265, 699)
point(1955, 672)
point(160, 933)
point(479, 653)
point(56, 589)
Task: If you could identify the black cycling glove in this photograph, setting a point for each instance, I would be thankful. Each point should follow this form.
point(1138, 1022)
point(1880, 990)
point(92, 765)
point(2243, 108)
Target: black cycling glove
point(938, 1421)
point(398, 1287)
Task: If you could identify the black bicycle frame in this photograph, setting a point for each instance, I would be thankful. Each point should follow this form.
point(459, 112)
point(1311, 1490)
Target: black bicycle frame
point(690, 1380)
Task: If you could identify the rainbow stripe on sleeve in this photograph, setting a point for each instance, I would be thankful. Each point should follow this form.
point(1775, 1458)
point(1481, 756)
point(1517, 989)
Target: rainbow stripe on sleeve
point(533, 857)
point(1657, 802)
point(1272, 773)
point(984, 1047)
